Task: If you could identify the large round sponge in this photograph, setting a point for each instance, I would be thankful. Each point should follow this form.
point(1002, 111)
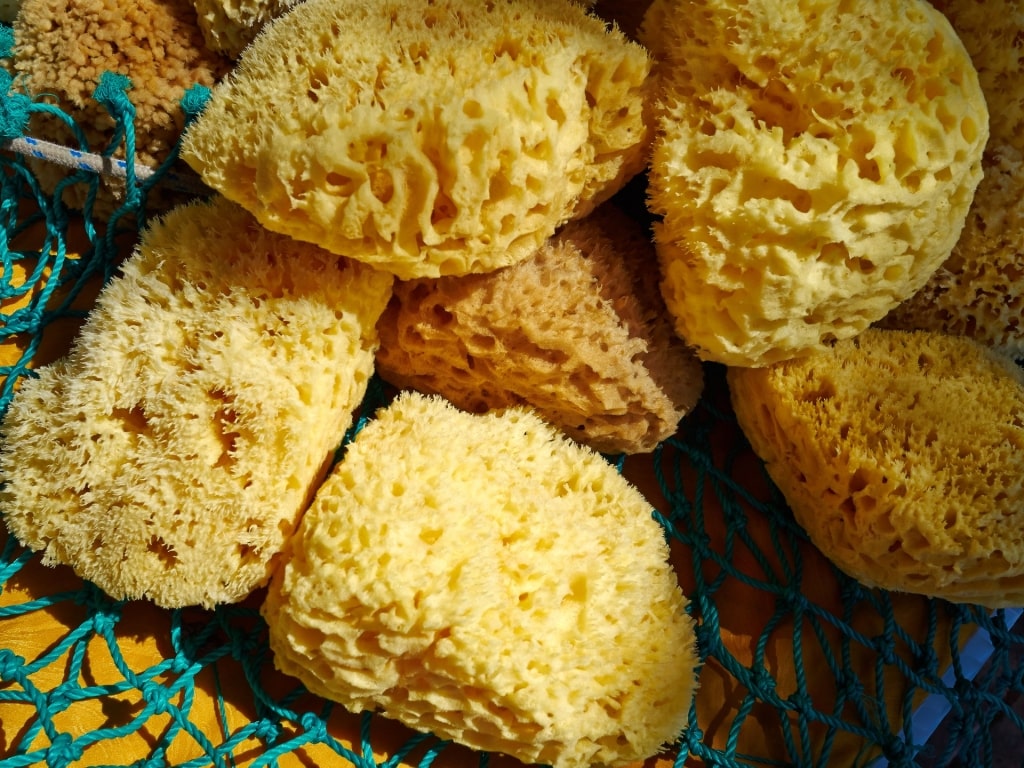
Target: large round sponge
point(170, 454)
point(902, 454)
point(484, 578)
point(577, 331)
point(426, 136)
point(814, 165)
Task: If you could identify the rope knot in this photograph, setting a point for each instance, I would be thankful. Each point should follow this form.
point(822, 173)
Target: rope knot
point(314, 726)
point(63, 751)
point(156, 696)
point(10, 664)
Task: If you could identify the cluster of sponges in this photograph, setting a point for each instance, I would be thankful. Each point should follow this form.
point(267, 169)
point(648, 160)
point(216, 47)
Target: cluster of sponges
point(813, 166)
point(170, 455)
point(979, 290)
point(902, 455)
point(421, 584)
point(578, 331)
point(63, 47)
point(427, 137)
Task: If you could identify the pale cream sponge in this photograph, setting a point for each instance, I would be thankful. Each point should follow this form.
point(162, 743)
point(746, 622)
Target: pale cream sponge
point(427, 137)
point(484, 578)
point(170, 455)
point(814, 165)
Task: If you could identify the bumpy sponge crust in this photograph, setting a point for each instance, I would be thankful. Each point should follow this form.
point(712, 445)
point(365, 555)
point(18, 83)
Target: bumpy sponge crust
point(428, 137)
point(902, 454)
point(170, 454)
point(578, 331)
point(979, 290)
point(62, 47)
point(230, 25)
point(485, 578)
point(814, 165)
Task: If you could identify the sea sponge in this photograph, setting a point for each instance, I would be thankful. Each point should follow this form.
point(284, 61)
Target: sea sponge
point(814, 166)
point(170, 454)
point(484, 578)
point(902, 454)
point(578, 331)
point(427, 137)
point(979, 290)
point(230, 25)
point(62, 47)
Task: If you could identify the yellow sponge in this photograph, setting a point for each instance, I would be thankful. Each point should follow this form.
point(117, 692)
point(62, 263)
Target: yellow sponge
point(814, 165)
point(427, 137)
point(902, 454)
point(486, 579)
point(170, 454)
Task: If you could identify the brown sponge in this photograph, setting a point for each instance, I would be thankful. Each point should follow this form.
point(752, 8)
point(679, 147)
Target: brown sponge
point(427, 137)
point(814, 165)
point(62, 47)
point(486, 579)
point(577, 331)
point(902, 454)
point(170, 454)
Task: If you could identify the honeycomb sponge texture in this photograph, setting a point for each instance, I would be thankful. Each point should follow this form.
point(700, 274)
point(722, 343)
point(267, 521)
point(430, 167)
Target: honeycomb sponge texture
point(578, 331)
point(979, 290)
point(169, 455)
point(428, 137)
point(62, 47)
point(814, 165)
point(902, 454)
point(228, 26)
point(486, 579)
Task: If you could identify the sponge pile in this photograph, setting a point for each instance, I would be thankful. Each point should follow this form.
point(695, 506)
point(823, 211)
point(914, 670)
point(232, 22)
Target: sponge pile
point(426, 137)
point(151, 458)
point(420, 584)
point(902, 454)
point(812, 167)
point(578, 331)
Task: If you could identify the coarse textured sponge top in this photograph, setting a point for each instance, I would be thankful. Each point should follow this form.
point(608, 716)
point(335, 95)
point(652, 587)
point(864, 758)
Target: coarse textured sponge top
point(484, 578)
point(170, 454)
point(902, 454)
point(814, 165)
point(577, 331)
point(62, 47)
point(230, 25)
point(426, 136)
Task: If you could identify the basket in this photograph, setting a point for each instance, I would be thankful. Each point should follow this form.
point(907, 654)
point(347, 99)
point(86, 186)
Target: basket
point(800, 666)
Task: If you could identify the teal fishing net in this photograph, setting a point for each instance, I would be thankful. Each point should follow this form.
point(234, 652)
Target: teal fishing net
point(800, 665)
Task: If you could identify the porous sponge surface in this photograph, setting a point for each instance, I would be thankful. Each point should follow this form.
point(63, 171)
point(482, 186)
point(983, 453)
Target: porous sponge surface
point(170, 454)
point(486, 579)
point(578, 331)
point(814, 166)
point(426, 137)
point(902, 454)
